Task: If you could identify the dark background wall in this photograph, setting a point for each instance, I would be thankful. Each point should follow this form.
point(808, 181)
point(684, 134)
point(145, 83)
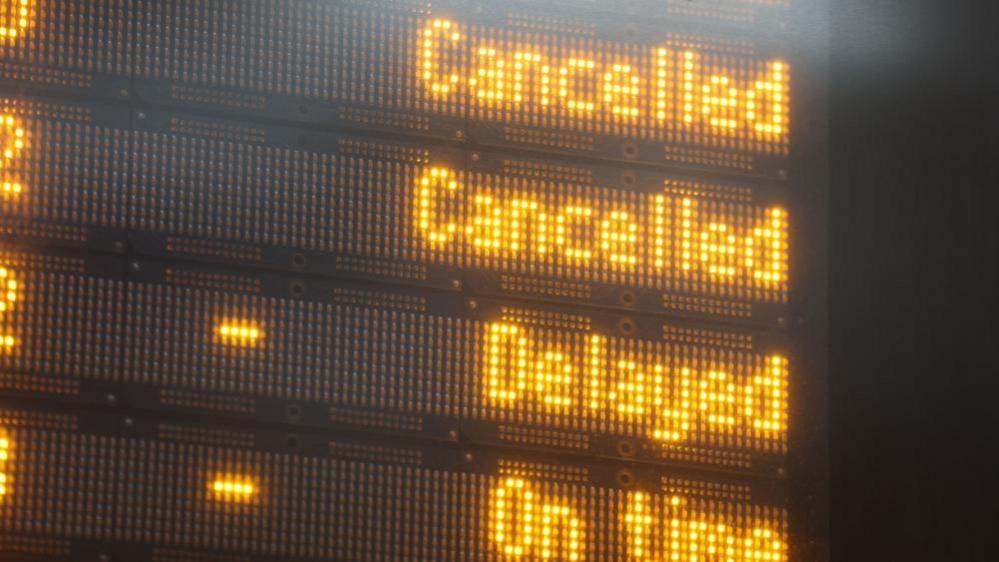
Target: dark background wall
point(914, 323)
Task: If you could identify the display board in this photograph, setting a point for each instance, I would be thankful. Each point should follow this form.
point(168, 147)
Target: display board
point(530, 74)
point(328, 203)
point(429, 364)
point(168, 489)
point(411, 280)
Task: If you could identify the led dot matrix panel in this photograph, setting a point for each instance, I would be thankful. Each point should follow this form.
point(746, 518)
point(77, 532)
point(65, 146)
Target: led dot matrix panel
point(401, 280)
point(147, 488)
point(178, 185)
point(328, 354)
point(653, 87)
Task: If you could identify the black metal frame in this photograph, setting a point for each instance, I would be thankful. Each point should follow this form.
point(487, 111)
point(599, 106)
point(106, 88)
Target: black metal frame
point(808, 473)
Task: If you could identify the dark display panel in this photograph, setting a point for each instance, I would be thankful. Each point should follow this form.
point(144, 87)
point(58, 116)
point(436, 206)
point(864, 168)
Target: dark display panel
point(327, 354)
point(139, 489)
point(532, 75)
point(346, 272)
point(184, 186)
point(729, 16)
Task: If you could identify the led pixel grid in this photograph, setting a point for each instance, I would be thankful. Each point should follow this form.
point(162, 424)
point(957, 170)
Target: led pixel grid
point(206, 488)
point(711, 397)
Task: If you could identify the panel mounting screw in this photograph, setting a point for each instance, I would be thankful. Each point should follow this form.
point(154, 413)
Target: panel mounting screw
point(473, 304)
point(455, 283)
point(625, 478)
point(626, 449)
point(459, 134)
point(129, 422)
point(475, 157)
point(111, 399)
point(469, 457)
point(136, 266)
point(629, 150)
point(141, 115)
point(452, 435)
point(123, 92)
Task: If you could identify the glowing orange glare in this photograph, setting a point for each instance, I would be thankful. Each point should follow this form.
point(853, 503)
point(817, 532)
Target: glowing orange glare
point(681, 87)
point(9, 290)
point(239, 333)
point(5, 446)
point(435, 43)
point(432, 190)
point(233, 488)
point(692, 537)
point(593, 379)
point(524, 524)
point(15, 17)
point(688, 236)
point(13, 142)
